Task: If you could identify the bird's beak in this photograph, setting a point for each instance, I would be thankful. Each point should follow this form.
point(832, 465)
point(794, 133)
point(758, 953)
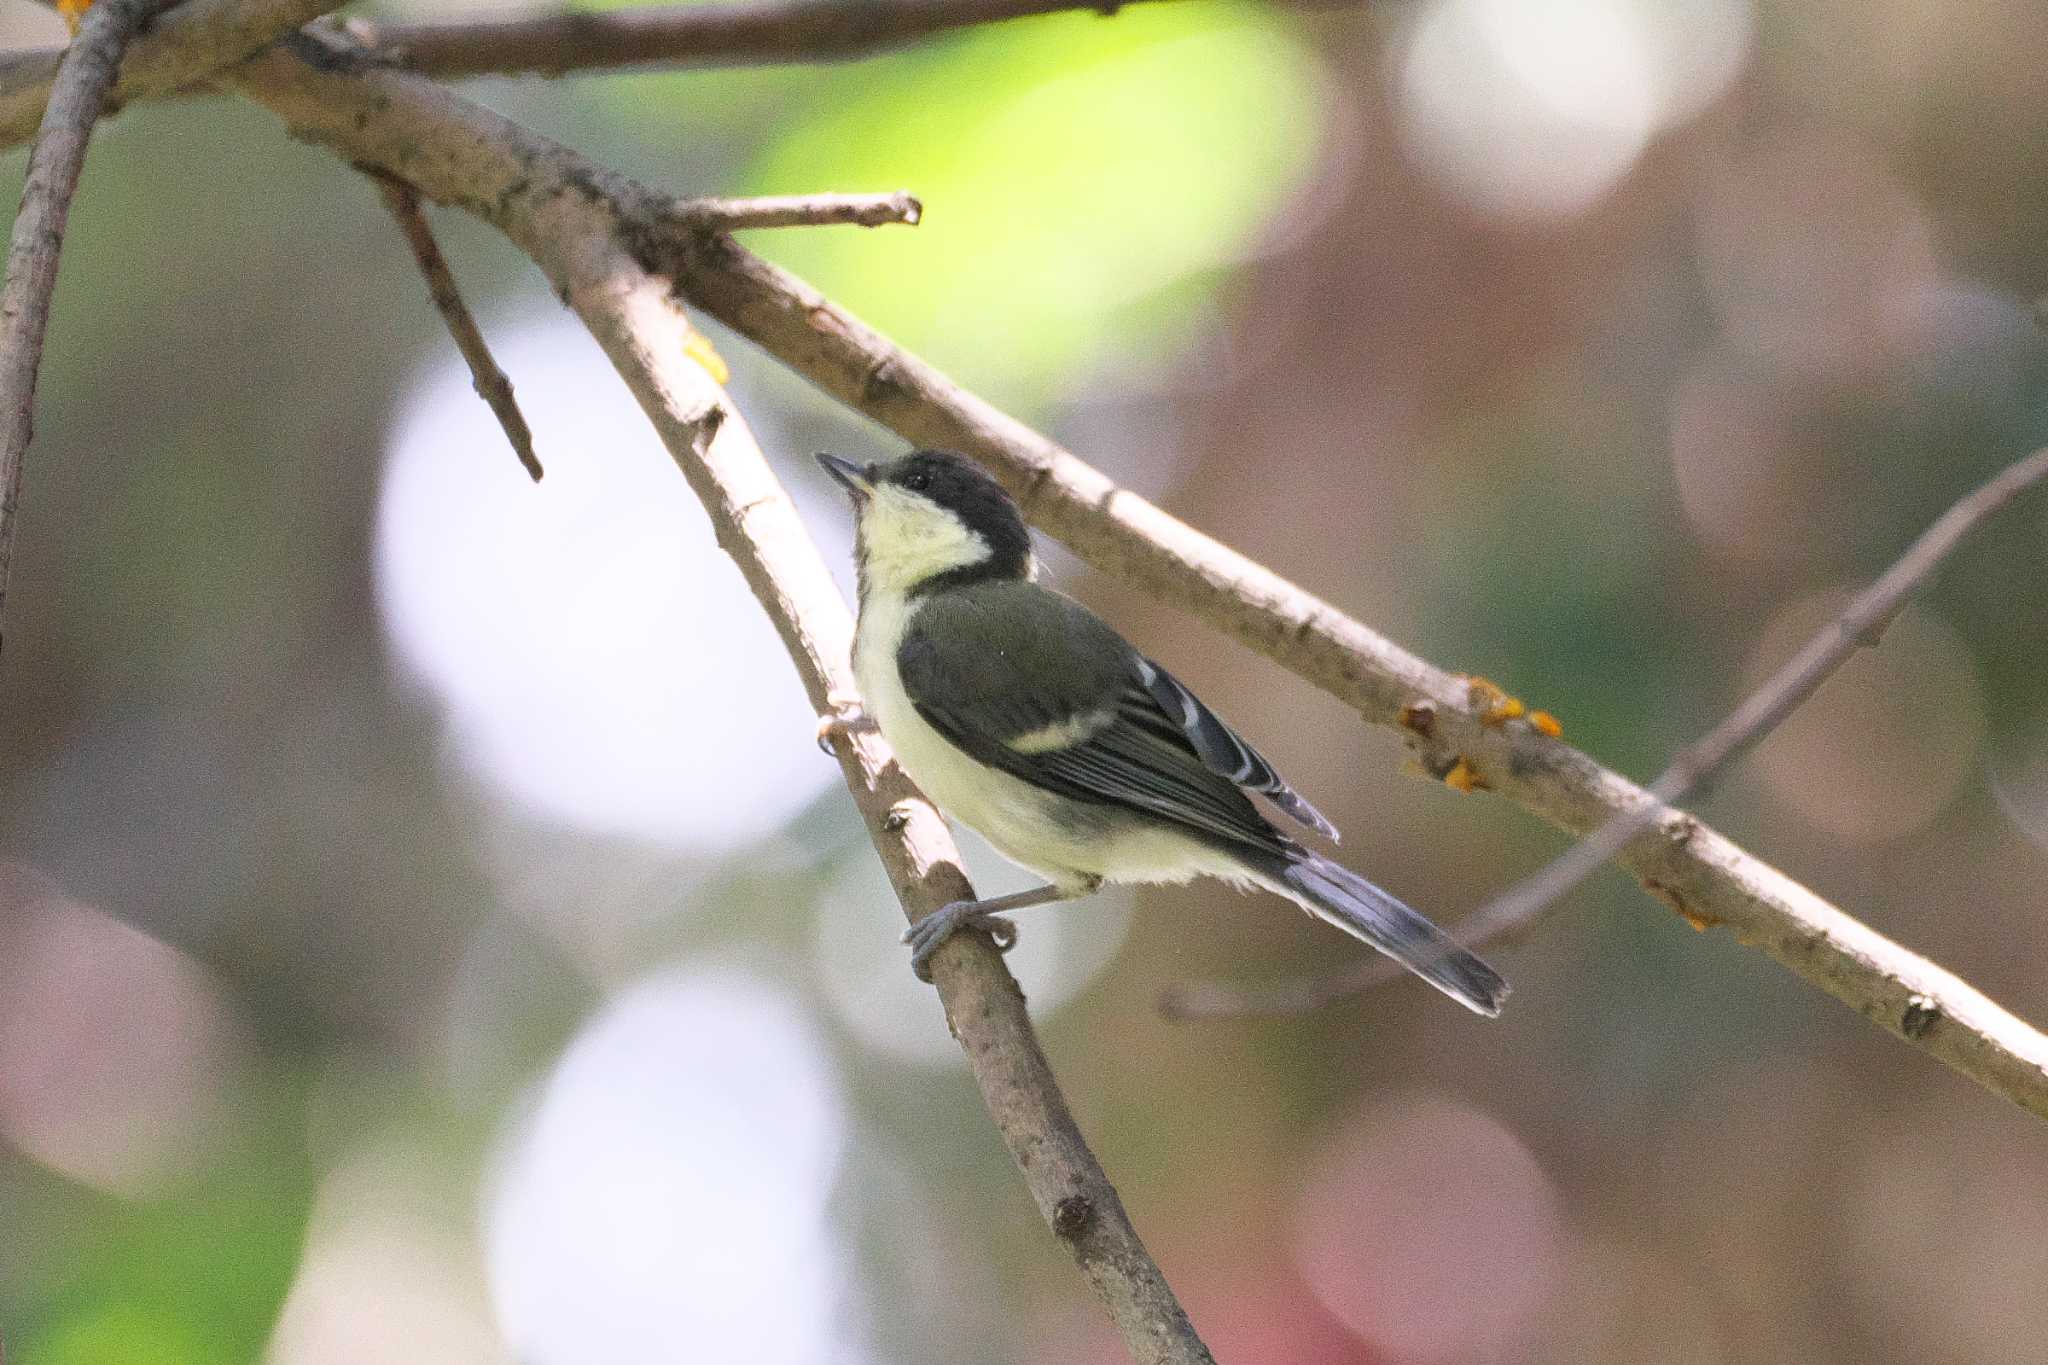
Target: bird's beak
point(848, 475)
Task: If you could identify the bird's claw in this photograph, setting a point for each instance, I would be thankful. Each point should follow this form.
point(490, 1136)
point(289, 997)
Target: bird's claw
point(925, 936)
point(845, 714)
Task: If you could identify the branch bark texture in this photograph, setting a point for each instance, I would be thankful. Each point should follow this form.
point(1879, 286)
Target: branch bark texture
point(78, 95)
point(595, 234)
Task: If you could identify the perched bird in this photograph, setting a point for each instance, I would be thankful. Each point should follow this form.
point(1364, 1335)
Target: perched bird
point(1024, 715)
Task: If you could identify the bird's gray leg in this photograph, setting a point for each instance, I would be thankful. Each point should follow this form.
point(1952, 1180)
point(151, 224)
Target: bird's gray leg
point(925, 936)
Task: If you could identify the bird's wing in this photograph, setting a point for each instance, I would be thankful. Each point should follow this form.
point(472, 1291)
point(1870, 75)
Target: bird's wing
point(1085, 715)
point(1221, 747)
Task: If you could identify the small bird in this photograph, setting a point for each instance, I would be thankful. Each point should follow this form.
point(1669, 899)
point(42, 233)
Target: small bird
point(1024, 715)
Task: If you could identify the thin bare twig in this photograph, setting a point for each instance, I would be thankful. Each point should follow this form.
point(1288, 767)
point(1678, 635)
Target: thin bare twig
point(1519, 910)
point(484, 372)
point(798, 210)
point(1685, 864)
point(589, 230)
point(672, 35)
point(182, 49)
point(78, 93)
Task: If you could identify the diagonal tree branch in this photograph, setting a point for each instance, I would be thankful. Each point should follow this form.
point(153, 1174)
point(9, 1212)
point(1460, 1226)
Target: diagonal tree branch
point(1685, 864)
point(1519, 910)
point(671, 35)
point(591, 231)
point(206, 36)
point(78, 94)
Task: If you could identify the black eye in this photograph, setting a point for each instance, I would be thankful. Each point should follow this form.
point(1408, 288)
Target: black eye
point(917, 482)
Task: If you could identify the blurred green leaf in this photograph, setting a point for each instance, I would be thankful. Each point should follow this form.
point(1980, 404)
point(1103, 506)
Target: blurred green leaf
point(1071, 169)
point(191, 1279)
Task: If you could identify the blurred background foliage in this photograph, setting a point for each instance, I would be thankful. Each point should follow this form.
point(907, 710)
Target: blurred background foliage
point(426, 933)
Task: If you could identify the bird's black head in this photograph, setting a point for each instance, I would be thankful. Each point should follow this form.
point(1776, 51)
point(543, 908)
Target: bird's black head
point(931, 520)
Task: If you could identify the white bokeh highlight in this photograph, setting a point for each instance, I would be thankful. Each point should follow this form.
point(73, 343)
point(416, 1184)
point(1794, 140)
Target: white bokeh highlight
point(665, 1201)
point(1533, 111)
point(382, 1279)
point(598, 658)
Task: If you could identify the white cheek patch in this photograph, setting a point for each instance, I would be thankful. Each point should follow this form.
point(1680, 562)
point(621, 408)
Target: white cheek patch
point(906, 539)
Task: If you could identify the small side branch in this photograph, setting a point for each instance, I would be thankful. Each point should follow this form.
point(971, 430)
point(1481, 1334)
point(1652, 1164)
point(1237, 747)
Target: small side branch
point(489, 380)
point(78, 94)
point(673, 35)
point(798, 210)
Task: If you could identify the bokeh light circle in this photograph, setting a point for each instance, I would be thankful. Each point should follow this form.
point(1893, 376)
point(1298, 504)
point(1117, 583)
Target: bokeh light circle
point(598, 657)
point(116, 1050)
point(1887, 742)
point(1428, 1229)
point(665, 1200)
point(1535, 111)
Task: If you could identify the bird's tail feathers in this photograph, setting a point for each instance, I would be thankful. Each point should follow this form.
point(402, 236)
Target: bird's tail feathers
point(1362, 910)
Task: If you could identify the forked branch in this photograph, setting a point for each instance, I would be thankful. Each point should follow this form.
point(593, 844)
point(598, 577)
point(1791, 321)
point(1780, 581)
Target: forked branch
point(1518, 911)
point(590, 230)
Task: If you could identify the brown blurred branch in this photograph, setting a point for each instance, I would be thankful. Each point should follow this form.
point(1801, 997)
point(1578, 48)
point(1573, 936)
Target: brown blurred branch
point(799, 210)
point(1519, 910)
point(1688, 866)
point(730, 34)
point(184, 47)
point(204, 37)
point(486, 376)
point(78, 92)
point(592, 232)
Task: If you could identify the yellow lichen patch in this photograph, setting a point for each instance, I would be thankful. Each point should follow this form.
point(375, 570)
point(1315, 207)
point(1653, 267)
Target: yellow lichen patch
point(1464, 778)
point(699, 350)
point(1494, 705)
